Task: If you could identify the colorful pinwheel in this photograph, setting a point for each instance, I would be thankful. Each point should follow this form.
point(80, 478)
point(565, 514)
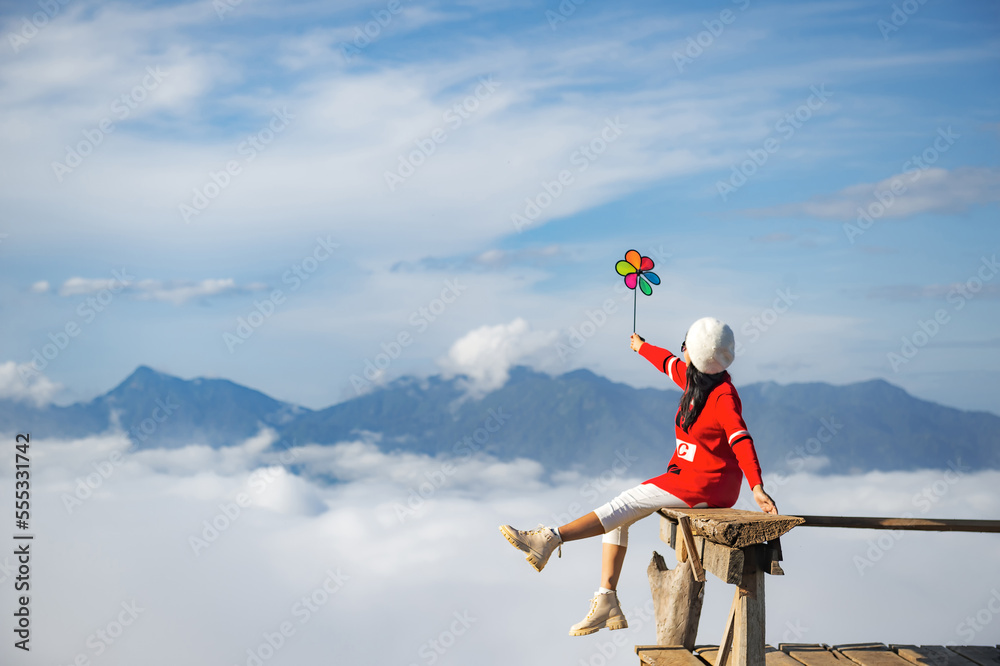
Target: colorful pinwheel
point(638, 271)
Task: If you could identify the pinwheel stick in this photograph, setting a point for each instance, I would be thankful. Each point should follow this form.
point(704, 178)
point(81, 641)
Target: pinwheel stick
point(635, 297)
point(638, 273)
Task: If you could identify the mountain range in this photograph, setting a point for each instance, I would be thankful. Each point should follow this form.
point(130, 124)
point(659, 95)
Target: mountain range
point(575, 421)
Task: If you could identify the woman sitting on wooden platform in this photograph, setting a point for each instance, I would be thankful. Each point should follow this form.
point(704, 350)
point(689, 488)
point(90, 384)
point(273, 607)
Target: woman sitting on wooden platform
point(713, 453)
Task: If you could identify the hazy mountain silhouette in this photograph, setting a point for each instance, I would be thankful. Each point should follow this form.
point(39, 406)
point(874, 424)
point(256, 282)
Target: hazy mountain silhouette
point(576, 420)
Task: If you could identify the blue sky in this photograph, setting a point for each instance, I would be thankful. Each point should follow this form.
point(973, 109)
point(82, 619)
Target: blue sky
point(189, 165)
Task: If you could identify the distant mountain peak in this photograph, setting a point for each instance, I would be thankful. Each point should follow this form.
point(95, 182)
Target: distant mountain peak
point(140, 377)
point(582, 373)
point(566, 421)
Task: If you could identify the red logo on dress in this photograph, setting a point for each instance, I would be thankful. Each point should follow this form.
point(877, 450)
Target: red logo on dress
point(686, 450)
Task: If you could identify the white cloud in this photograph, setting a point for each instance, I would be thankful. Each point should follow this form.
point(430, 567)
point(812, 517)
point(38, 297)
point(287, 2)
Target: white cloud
point(353, 122)
point(20, 381)
point(902, 195)
point(40, 287)
point(76, 286)
point(485, 355)
point(372, 115)
point(177, 292)
point(413, 569)
point(180, 293)
point(228, 460)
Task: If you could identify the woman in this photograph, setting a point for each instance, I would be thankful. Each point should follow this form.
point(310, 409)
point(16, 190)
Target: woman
point(713, 453)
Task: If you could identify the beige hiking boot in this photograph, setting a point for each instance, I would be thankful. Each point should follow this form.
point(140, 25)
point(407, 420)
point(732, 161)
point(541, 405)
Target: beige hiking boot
point(538, 543)
point(604, 612)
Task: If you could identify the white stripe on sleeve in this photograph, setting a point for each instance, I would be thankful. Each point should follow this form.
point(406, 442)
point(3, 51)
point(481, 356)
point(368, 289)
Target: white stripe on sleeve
point(737, 434)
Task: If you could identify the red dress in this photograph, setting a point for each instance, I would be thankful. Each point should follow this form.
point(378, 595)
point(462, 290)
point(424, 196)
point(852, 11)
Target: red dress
point(707, 461)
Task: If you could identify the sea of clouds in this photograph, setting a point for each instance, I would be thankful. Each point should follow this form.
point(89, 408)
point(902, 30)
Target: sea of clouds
point(347, 554)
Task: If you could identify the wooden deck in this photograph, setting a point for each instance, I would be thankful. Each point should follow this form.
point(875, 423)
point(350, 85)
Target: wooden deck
point(861, 654)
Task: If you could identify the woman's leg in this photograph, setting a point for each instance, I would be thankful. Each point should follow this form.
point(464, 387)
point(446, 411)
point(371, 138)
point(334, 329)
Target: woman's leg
point(583, 527)
point(613, 554)
point(612, 558)
point(614, 519)
point(617, 516)
point(622, 511)
point(610, 519)
point(605, 610)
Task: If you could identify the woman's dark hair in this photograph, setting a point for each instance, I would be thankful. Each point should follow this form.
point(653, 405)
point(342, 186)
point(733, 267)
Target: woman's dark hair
point(699, 385)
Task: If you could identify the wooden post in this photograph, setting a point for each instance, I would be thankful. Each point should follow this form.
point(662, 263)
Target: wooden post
point(677, 599)
point(743, 640)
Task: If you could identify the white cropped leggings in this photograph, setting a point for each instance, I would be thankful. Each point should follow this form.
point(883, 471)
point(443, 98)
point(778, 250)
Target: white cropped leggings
point(633, 504)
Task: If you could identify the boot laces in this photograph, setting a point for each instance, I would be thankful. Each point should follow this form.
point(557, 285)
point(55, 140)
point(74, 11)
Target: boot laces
point(544, 531)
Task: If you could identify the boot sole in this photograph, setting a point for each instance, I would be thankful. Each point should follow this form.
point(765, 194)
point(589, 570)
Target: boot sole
point(583, 632)
point(532, 558)
point(590, 630)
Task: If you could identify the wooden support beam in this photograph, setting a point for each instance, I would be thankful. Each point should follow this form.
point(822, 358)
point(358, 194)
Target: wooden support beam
point(733, 527)
point(726, 644)
point(724, 562)
point(744, 632)
point(668, 531)
point(748, 641)
point(721, 561)
point(677, 600)
point(696, 569)
point(921, 524)
point(774, 556)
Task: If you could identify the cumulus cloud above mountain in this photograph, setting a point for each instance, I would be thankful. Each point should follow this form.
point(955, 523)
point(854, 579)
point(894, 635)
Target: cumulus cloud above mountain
point(486, 354)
